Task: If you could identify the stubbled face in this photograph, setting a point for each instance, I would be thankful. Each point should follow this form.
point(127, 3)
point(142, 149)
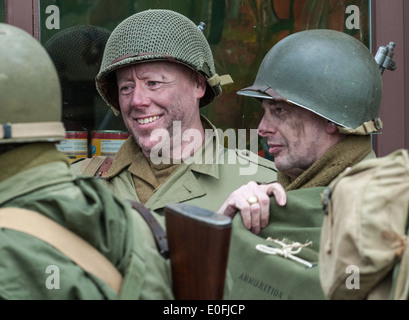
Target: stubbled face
point(153, 95)
point(296, 137)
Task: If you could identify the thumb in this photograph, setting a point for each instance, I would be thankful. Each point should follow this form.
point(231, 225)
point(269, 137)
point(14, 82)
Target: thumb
point(277, 191)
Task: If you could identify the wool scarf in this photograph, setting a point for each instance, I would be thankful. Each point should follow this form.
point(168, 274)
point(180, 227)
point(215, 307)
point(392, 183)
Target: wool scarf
point(346, 153)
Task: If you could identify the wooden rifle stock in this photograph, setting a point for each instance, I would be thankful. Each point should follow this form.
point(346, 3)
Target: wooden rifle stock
point(198, 241)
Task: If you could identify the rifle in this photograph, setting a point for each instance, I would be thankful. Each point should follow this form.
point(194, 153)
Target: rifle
point(198, 241)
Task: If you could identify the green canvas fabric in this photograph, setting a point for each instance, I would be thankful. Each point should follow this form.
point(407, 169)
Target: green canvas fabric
point(365, 230)
point(256, 275)
point(86, 207)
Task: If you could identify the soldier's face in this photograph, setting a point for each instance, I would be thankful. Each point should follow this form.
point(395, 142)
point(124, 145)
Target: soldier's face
point(158, 95)
point(296, 137)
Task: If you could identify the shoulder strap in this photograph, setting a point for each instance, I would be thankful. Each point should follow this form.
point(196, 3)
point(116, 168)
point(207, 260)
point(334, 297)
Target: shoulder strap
point(106, 164)
point(73, 246)
point(400, 279)
point(157, 231)
point(96, 166)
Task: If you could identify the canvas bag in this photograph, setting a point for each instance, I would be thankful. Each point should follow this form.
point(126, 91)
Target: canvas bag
point(365, 228)
point(257, 275)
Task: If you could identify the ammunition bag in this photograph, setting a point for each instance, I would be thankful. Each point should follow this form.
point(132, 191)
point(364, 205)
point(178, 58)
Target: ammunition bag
point(281, 261)
point(364, 231)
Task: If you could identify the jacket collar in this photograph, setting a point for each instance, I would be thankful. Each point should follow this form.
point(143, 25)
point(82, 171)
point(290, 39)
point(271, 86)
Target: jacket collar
point(130, 155)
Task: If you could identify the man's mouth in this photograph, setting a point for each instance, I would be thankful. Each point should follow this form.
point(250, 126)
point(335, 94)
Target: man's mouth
point(147, 120)
point(274, 148)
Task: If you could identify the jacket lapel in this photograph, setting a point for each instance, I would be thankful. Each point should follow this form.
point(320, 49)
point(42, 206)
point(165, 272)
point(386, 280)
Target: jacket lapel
point(181, 186)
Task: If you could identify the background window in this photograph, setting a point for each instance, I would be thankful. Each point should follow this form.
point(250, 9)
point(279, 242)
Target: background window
point(240, 33)
point(2, 17)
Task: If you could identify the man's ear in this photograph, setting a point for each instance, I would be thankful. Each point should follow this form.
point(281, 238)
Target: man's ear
point(200, 86)
point(332, 127)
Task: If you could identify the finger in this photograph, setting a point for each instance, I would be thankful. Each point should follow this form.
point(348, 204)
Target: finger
point(228, 208)
point(277, 191)
point(245, 213)
point(255, 218)
point(263, 214)
point(264, 205)
point(231, 211)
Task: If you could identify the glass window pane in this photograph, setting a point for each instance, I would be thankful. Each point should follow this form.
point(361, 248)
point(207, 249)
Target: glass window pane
point(2, 16)
point(240, 33)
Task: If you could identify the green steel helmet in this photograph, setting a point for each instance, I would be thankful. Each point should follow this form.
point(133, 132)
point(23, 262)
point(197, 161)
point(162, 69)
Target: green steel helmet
point(327, 72)
point(30, 91)
point(157, 35)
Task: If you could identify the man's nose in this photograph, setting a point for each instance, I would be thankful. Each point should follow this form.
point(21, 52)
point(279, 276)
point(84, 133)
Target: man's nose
point(267, 126)
point(140, 96)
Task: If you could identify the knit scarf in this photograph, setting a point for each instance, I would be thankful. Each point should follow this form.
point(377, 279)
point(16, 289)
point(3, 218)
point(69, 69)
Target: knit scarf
point(346, 153)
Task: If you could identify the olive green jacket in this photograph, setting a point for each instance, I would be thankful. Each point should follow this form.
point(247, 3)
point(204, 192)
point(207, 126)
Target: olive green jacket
point(88, 209)
point(205, 184)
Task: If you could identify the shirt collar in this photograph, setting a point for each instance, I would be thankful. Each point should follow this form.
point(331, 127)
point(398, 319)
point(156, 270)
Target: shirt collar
point(203, 161)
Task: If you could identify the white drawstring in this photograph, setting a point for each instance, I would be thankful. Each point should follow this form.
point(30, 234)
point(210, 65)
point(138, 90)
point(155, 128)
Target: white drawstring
point(287, 250)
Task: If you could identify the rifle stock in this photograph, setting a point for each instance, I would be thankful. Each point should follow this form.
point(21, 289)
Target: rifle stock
point(198, 241)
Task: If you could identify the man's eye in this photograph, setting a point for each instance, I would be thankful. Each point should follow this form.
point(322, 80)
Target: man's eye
point(276, 110)
point(125, 89)
point(153, 83)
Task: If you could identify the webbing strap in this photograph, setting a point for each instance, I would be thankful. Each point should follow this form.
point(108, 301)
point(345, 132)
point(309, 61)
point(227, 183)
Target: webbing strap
point(90, 166)
point(32, 129)
point(104, 167)
point(98, 166)
point(400, 279)
point(372, 126)
point(157, 231)
point(222, 80)
point(74, 247)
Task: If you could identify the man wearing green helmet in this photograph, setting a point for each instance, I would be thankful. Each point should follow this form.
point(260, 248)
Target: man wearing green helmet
point(61, 237)
point(157, 71)
point(320, 91)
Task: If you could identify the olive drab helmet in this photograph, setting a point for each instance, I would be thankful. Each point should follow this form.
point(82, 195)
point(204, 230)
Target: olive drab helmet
point(327, 72)
point(30, 92)
point(157, 35)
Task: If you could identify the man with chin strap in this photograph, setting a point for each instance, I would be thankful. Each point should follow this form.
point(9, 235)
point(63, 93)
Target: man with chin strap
point(157, 72)
point(320, 91)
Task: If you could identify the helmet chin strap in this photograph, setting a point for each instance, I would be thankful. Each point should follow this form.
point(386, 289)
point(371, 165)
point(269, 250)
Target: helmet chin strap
point(222, 80)
point(368, 127)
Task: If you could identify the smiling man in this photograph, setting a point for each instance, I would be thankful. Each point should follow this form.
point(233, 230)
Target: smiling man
point(157, 72)
point(153, 98)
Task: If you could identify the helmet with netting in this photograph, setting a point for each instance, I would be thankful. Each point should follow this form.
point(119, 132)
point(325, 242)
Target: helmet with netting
point(29, 90)
point(77, 54)
point(327, 72)
point(157, 35)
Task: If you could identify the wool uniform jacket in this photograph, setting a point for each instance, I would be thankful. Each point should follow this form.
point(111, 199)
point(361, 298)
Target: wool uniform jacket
point(87, 208)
